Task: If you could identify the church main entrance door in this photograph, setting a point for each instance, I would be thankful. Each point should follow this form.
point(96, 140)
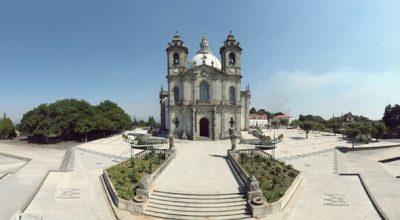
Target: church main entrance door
point(204, 132)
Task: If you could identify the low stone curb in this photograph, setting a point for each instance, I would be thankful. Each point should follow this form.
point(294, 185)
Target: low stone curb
point(39, 186)
point(65, 161)
point(27, 160)
point(389, 160)
point(267, 208)
point(378, 209)
point(16, 157)
point(346, 149)
point(278, 206)
point(132, 206)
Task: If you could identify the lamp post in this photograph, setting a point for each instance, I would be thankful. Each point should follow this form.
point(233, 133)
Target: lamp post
point(231, 122)
point(232, 135)
point(176, 123)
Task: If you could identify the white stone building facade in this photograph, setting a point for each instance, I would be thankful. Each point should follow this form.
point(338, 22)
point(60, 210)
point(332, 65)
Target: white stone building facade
point(204, 97)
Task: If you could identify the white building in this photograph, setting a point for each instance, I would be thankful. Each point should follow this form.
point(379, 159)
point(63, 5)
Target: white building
point(258, 120)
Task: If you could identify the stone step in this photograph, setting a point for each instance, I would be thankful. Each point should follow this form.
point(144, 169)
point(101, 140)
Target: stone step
point(196, 200)
point(156, 215)
point(196, 209)
point(197, 205)
point(197, 214)
point(197, 196)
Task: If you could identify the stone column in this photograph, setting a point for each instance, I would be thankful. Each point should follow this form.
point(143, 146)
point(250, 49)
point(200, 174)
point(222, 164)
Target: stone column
point(194, 133)
point(222, 123)
point(223, 90)
point(184, 135)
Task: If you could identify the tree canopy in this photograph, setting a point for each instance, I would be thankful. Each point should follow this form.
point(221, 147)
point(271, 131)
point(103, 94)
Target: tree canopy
point(307, 126)
point(391, 117)
point(74, 119)
point(7, 129)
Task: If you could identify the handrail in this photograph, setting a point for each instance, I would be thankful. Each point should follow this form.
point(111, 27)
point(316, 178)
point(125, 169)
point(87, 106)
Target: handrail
point(148, 151)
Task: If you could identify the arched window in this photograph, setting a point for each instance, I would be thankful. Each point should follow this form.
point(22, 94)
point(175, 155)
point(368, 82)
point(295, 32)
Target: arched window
point(232, 59)
point(176, 59)
point(176, 95)
point(232, 95)
point(204, 91)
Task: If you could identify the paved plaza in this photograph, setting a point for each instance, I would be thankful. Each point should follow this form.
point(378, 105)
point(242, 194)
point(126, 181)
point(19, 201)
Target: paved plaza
point(331, 188)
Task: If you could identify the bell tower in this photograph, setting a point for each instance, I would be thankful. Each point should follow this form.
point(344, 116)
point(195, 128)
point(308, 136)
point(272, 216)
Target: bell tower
point(177, 56)
point(230, 55)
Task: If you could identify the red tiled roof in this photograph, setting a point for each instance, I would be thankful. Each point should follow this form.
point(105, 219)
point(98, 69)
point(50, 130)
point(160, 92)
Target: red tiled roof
point(259, 117)
point(282, 116)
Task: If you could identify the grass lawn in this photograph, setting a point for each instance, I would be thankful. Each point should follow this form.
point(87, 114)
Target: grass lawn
point(126, 179)
point(274, 176)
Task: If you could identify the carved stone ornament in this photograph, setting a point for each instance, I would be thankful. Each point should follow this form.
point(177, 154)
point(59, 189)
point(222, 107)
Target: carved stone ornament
point(258, 200)
point(139, 198)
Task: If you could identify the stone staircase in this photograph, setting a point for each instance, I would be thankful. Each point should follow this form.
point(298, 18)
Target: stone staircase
point(171, 205)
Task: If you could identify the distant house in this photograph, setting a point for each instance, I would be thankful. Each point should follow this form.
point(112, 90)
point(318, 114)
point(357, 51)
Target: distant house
point(279, 118)
point(348, 117)
point(258, 120)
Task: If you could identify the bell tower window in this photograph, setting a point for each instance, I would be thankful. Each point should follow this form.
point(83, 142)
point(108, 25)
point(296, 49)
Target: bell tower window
point(176, 95)
point(232, 59)
point(232, 95)
point(175, 59)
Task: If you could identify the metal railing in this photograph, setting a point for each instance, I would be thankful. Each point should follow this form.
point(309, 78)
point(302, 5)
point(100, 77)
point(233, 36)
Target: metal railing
point(256, 152)
point(149, 151)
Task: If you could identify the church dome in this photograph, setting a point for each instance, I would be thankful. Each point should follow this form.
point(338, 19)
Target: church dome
point(205, 56)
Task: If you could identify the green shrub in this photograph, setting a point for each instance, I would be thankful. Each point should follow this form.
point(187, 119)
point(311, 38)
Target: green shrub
point(125, 178)
point(274, 176)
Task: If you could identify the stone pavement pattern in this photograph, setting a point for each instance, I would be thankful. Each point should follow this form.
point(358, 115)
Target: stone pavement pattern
point(380, 178)
point(199, 167)
point(9, 164)
point(79, 193)
point(323, 194)
point(16, 189)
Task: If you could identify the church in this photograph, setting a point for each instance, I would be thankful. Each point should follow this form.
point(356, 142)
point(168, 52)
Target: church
point(204, 97)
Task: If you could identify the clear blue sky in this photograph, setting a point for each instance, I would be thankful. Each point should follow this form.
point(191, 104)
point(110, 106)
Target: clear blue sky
point(309, 57)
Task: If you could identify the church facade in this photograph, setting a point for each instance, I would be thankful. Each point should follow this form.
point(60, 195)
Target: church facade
point(204, 97)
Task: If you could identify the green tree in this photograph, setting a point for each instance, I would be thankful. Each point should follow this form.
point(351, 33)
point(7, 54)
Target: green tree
point(261, 111)
point(7, 129)
point(253, 110)
point(74, 119)
point(307, 126)
point(398, 130)
point(366, 129)
point(319, 126)
point(295, 123)
point(151, 122)
point(284, 122)
point(278, 113)
point(391, 117)
point(37, 122)
point(135, 122)
point(335, 123)
point(116, 115)
point(352, 131)
point(378, 130)
point(87, 121)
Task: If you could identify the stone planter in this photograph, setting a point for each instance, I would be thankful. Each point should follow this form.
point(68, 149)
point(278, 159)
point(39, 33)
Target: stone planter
point(139, 202)
point(260, 210)
point(259, 207)
point(258, 201)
